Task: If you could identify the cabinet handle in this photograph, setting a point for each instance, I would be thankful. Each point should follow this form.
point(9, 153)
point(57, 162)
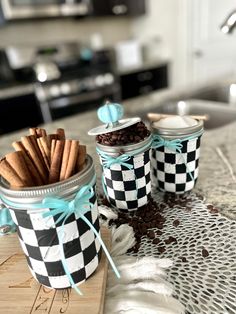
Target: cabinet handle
point(145, 89)
point(119, 9)
point(145, 76)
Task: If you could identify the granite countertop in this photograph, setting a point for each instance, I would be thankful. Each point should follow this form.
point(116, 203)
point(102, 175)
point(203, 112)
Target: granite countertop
point(216, 182)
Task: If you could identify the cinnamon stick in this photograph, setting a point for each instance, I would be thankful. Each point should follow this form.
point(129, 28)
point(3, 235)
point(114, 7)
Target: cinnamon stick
point(74, 149)
point(33, 131)
point(8, 173)
point(61, 134)
point(53, 145)
point(18, 146)
point(65, 159)
point(35, 156)
point(46, 147)
point(17, 162)
point(81, 157)
point(54, 172)
point(43, 152)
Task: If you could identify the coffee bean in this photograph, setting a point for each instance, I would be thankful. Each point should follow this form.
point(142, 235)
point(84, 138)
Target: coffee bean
point(132, 134)
point(205, 253)
point(170, 240)
point(176, 223)
point(161, 249)
point(151, 234)
point(156, 241)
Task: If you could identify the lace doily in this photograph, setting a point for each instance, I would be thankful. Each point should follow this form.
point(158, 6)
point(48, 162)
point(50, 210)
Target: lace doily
point(204, 255)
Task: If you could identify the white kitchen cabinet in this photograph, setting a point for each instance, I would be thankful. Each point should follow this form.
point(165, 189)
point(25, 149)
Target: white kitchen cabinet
point(210, 54)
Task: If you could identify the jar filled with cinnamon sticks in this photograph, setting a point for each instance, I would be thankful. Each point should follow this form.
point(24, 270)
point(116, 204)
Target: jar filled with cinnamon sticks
point(48, 184)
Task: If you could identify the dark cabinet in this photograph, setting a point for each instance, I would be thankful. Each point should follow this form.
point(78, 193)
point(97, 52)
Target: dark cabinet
point(119, 7)
point(143, 82)
point(18, 112)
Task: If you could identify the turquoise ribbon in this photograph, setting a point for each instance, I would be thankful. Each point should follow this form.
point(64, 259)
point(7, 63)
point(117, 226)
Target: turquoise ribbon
point(5, 219)
point(174, 145)
point(108, 161)
point(79, 205)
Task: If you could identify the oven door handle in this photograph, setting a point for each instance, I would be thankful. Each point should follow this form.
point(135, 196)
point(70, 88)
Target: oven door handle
point(85, 97)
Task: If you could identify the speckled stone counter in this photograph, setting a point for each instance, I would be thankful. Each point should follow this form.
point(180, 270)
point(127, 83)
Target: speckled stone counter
point(217, 182)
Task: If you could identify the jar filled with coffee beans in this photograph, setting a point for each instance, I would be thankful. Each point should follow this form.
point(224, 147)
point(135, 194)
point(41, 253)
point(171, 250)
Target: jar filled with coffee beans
point(123, 147)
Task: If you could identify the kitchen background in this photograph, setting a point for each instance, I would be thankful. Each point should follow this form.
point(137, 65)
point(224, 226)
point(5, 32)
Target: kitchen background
point(61, 57)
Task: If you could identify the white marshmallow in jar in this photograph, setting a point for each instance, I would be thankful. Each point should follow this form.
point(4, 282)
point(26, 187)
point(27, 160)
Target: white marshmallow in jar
point(175, 153)
point(124, 158)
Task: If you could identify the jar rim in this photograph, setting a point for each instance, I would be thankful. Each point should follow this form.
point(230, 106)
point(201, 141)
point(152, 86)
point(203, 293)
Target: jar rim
point(177, 132)
point(63, 188)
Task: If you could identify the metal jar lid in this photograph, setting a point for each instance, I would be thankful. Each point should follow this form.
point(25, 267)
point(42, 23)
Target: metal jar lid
point(64, 189)
point(177, 132)
point(129, 148)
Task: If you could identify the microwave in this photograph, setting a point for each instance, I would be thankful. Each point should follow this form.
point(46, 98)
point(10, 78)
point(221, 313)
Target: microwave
point(30, 9)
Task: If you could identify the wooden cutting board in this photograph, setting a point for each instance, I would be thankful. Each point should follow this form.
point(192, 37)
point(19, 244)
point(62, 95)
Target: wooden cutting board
point(21, 294)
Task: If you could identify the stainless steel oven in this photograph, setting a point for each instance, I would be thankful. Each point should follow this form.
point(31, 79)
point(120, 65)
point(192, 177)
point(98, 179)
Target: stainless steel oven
point(28, 9)
point(67, 97)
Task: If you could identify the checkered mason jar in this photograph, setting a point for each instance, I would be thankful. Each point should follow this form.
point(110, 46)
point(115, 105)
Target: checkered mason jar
point(57, 248)
point(126, 174)
point(175, 158)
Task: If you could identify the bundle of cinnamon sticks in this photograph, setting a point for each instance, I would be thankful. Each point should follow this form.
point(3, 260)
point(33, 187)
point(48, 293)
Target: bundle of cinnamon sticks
point(41, 159)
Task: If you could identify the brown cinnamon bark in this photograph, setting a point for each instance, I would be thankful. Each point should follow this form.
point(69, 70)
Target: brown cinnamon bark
point(81, 157)
point(61, 134)
point(17, 162)
point(74, 149)
point(9, 174)
point(54, 172)
point(18, 146)
point(41, 147)
point(53, 145)
point(65, 159)
point(36, 156)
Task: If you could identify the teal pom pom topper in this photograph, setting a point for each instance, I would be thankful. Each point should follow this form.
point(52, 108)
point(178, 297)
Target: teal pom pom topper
point(110, 113)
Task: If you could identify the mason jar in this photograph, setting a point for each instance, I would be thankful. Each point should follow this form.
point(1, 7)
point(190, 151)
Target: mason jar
point(49, 243)
point(126, 174)
point(175, 157)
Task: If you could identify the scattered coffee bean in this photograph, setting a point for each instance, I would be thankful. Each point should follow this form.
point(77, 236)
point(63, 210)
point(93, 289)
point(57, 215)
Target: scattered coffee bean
point(142, 220)
point(161, 249)
point(156, 241)
point(130, 135)
point(170, 240)
point(212, 209)
point(151, 234)
point(176, 222)
point(205, 253)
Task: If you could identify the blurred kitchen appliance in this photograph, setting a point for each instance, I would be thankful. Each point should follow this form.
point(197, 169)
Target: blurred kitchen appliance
point(67, 78)
point(119, 7)
point(31, 9)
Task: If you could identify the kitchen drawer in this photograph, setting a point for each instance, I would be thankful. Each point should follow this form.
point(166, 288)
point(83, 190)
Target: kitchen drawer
point(143, 82)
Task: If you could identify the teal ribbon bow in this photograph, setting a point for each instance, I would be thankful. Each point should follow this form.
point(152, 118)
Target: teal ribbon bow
point(79, 206)
point(108, 161)
point(175, 145)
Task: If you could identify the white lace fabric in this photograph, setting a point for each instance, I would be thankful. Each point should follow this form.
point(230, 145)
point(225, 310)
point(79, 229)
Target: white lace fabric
point(203, 284)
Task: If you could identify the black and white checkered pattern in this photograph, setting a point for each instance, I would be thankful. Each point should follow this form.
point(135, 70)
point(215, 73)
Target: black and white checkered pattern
point(39, 238)
point(171, 170)
point(127, 189)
